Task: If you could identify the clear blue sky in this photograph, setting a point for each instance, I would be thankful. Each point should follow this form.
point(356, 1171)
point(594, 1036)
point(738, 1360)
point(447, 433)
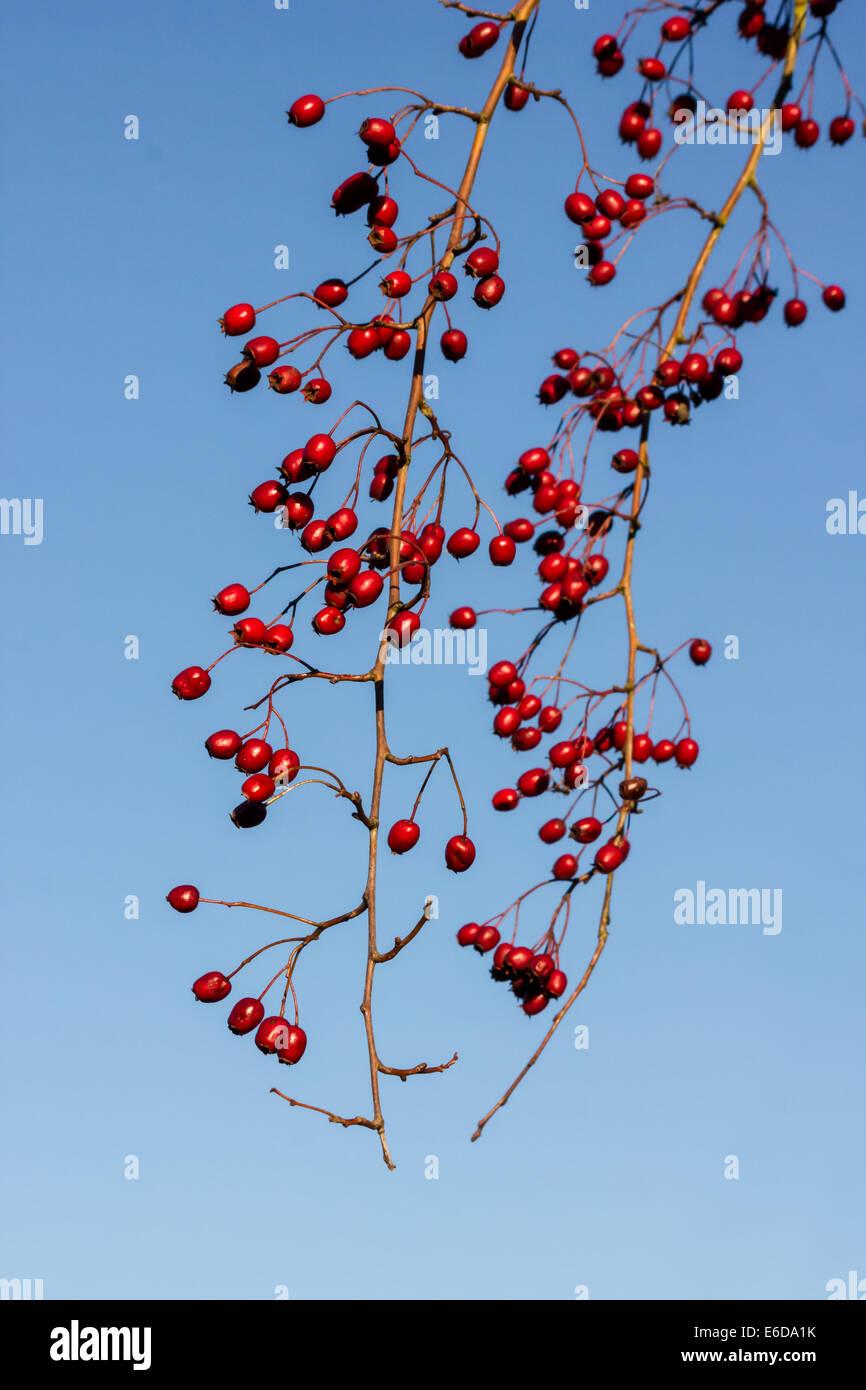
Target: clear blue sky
point(607, 1169)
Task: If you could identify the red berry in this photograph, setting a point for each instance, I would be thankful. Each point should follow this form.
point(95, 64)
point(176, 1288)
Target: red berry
point(268, 496)
point(354, 193)
point(791, 116)
point(463, 618)
point(676, 28)
point(398, 346)
point(343, 566)
point(694, 367)
point(223, 744)
point(535, 1003)
point(686, 752)
point(250, 632)
point(320, 451)
point(212, 987)
point(587, 830)
point(403, 835)
point(253, 755)
point(602, 273)
point(453, 344)
point(506, 722)
point(487, 938)
point(315, 536)
point(291, 1048)
point(468, 933)
point(649, 142)
point(479, 40)
point(443, 285)
point(184, 898)
point(557, 983)
point(191, 683)
point(502, 550)
point(549, 719)
point(489, 292)
point(317, 391)
point(595, 568)
point(502, 673)
point(505, 800)
point(403, 627)
point(515, 97)
point(397, 284)
point(262, 352)
point(240, 318)
point(579, 208)
point(284, 380)
point(272, 1033)
point(234, 598)
point(279, 638)
point(639, 186)
point(332, 293)
point(463, 542)
point(328, 621)
point(481, 262)
point(246, 1015)
point(841, 129)
point(795, 312)
point(632, 214)
point(700, 651)
point(382, 212)
point(365, 588)
point(740, 100)
point(259, 787)
point(534, 782)
point(306, 111)
point(376, 131)
point(806, 134)
point(565, 866)
point(664, 750)
point(552, 830)
point(834, 298)
point(609, 857)
point(283, 766)
point(459, 853)
point(653, 69)
point(728, 361)
point(342, 524)
point(362, 341)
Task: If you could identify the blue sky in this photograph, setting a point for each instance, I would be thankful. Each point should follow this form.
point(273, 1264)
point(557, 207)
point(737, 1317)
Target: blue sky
point(705, 1042)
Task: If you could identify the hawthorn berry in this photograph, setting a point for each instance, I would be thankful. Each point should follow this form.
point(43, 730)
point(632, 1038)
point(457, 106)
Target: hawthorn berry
point(283, 766)
point(328, 621)
point(246, 1015)
point(664, 750)
point(834, 297)
point(212, 987)
point(403, 627)
point(565, 866)
point(259, 787)
point(488, 292)
point(841, 129)
point(700, 651)
point(262, 352)
point(463, 618)
point(243, 376)
point(534, 782)
point(332, 293)
point(453, 344)
point(403, 835)
point(240, 318)
point(516, 97)
point(191, 683)
point(459, 854)
point(306, 111)
point(284, 380)
point(317, 391)
point(487, 938)
point(686, 752)
point(552, 830)
point(250, 632)
point(279, 638)
point(382, 212)
point(253, 755)
point(268, 496)
point(806, 134)
point(249, 814)
point(183, 898)
point(234, 598)
point(505, 800)
point(481, 262)
point(223, 744)
point(609, 857)
point(354, 193)
point(467, 934)
point(272, 1033)
point(502, 550)
point(443, 285)
point(795, 312)
point(463, 542)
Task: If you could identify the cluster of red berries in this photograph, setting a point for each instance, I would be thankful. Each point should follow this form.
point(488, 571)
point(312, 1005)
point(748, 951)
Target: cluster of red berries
point(595, 217)
point(274, 1035)
point(535, 978)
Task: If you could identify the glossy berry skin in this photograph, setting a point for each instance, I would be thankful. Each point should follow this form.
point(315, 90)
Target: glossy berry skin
point(399, 345)
point(489, 292)
point(556, 983)
point(609, 857)
point(403, 627)
point(487, 938)
point(535, 1003)
point(262, 352)
point(284, 380)
point(686, 752)
point(587, 830)
point(463, 618)
point(834, 297)
point(246, 1015)
point(212, 987)
point(382, 212)
point(317, 391)
point(694, 367)
point(664, 750)
point(376, 131)
point(268, 496)
point(700, 651)
point(191, 683)
point(234, 598)
point(506, 722)
point(463, 542)
point(403, 836)
point(453, 344)
point(253, 755)
point(795, 312)
point(328, 621)
point(259, 787)
point(283, 766)
point(728, 361)
point(320, 451)
point(365, 588)
point(250, 632)
point(223, 744)
point(502, 550)
point(459, 854)
point(481, 262)
point(279, 638)
point(291, 1049)
point(342, 524)
point(354, 193)
point(502, 673)
point(344, 565)
point(740, 100)
point(506, 799)
point(443, 286)
point(515, 97)
point(183, 898)
point(602, 273)
point(649, 142)
point(332, 293)
point(519, 958)
point(526, 739)
point(806, 134)
point(306, 111)
point(272, 1032)
point(565, 866)
point(479, 40)
point(240, 318)
point(841, 130)
point(549, 719)
point(579, 208)
point(468, 933)
point(361, 342)
point(534, 782)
